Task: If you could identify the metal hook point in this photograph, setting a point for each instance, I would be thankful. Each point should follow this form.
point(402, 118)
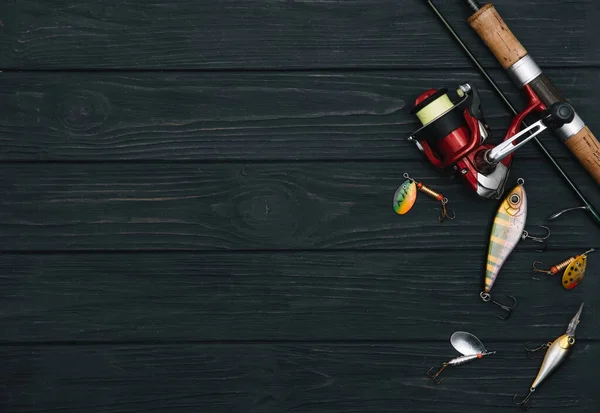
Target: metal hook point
point(541, 240)
point(525, 399)
point(487, 297)
point(509, 313)
point(444, 214)
point(547, 229)
point(537, 239)
point(435, 376)
point(536, 269)
point(506, 308)
point(533, 350)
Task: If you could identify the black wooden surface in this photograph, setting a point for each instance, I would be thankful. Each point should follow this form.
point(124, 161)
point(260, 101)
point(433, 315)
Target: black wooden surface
point(196, 210)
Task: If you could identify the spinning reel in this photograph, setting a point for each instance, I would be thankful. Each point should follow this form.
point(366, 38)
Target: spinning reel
point(454, 135)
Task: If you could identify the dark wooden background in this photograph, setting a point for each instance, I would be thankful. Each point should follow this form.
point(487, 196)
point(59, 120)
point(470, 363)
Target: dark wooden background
point(196, 210)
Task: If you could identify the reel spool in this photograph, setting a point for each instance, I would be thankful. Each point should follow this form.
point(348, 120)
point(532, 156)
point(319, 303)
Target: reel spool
point(446, 127)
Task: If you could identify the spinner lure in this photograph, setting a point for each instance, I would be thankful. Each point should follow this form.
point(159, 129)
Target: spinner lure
point(406, 196)
point(574, 270)
point(468, 345)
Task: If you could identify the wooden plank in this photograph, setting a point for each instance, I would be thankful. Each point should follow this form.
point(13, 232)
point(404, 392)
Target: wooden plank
point(243, 116)
point(114, 206)
point(312, 378)
point(283, 296)
point(251, 34)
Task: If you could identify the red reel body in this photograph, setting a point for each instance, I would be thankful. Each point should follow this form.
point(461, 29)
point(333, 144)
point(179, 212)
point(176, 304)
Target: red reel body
point(455, 139)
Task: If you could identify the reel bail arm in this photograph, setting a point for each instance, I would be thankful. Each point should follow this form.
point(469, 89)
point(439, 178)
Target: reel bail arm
point(555, 117)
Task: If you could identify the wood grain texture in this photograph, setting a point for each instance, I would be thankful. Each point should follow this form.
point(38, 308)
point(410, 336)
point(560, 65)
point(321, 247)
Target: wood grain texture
point(115, 206)
point(244, 116)
point(337, 296)
point(251, 34)
point(185, 231)
point(311, 378)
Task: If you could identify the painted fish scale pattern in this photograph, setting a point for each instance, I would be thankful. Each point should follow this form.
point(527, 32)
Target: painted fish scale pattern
point(405, 197)
point(506, 232)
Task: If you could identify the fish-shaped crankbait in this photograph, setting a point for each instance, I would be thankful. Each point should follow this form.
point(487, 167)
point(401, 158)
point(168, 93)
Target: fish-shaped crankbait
point(557, 353)
point(406, 195)
point(468, 345)
point(507, 230)
point(574, 270)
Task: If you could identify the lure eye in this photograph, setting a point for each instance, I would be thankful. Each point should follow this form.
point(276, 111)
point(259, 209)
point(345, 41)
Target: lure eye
point(514, 199)
point(571, 340)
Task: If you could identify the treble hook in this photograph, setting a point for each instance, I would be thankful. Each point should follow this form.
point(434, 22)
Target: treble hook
point(525, 399)
point(434, 195)
point(538, 239)
point(444, 214)
point(486, 297)
point(536, 269)
point(434, 377)
point(533, 350)
point(505, 307)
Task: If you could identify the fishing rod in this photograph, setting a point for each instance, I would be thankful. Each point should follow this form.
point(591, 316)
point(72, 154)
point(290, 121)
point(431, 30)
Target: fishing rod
point(524, 72)
point(587, 206)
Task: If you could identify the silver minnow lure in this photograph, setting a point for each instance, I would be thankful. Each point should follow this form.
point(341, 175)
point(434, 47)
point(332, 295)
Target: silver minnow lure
point(557, 353)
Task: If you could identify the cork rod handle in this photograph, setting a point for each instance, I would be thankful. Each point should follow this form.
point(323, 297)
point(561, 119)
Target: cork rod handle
point(490, 27)
point(586, 149)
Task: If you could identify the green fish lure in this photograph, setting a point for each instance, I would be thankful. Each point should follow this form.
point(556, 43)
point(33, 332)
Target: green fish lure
point(405, 197)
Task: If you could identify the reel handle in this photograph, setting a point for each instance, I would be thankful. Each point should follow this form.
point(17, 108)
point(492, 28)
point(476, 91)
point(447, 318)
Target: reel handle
point(522, 69)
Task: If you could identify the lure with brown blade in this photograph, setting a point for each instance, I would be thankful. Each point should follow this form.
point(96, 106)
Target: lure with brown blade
point(574, 270)
point(406, 195)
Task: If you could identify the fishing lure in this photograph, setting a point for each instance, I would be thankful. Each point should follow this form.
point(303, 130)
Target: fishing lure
point(406, 195)
point(557, 353)
point(468, 345)
point(507, 231)
point(574, 269)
